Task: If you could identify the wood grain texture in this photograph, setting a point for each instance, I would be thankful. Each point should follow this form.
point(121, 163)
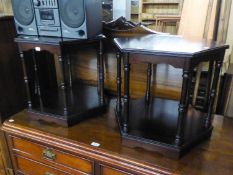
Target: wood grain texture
point(27, 166)
point(107, 171)
point(211, 157)
point(168, 80)
point(63, 161)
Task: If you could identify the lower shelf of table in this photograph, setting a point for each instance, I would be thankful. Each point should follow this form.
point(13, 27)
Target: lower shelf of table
point(82, 102)
point(154, 126)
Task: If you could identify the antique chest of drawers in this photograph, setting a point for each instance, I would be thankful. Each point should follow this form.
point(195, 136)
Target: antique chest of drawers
point(31, 156)
point(94, 147)
point(39, 148)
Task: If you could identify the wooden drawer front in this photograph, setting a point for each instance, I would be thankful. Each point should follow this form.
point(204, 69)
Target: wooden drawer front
point(51, 156)
point(29, 167)
point(112, 171)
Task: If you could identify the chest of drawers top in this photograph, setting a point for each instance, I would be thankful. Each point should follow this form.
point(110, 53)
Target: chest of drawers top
point(74, 151)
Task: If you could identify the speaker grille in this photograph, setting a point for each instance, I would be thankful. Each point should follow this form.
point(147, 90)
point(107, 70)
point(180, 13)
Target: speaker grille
point(23, 11)
point(72, 12)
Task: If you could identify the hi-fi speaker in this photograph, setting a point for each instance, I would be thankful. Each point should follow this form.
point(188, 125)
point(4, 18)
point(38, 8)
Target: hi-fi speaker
point(24, 17)
point(80, 18)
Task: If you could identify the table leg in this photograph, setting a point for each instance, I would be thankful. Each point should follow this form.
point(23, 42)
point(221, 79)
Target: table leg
point(208, 85)
point(118, 55)
point(101, 72)
point(69, 70)
point(61, 61)
point(183, 106)
point(148, 89)
point(197, 84)
point(218, 65)
point(37, 82)
point(29, 101)
point(63, 86)
point(126, 91)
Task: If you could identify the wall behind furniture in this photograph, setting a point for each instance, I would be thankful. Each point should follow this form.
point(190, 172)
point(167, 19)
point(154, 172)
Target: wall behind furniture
point(121, 8)
point(193, 19)
point(229, 40)
point(5, 7)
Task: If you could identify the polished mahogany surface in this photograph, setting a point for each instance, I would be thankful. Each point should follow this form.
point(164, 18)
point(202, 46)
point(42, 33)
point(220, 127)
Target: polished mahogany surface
point(214, 156)
point(158, 121)
point(53, 40)
point(81, 100)
point(166, 45)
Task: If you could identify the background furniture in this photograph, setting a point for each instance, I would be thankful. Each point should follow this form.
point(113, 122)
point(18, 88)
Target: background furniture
point(5, 8)
point(162, 21)
point(162, 124)
point(163, 15)
point(228, 92)
point(12, 93)
point(66, 103)
point(38, 148)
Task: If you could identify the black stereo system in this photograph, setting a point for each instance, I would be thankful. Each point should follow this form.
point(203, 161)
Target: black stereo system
point(59, 18)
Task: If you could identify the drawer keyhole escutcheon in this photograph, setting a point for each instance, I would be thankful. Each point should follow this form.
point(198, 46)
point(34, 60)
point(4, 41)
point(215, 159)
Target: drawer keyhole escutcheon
point(48, 154)
point(47, 173)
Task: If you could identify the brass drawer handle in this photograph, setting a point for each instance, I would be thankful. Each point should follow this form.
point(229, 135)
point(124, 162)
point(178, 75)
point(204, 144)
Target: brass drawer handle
point(47, 173)
point(48, 154)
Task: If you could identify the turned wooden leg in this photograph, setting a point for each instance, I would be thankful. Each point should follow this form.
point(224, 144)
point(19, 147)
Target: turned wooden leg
point(29, 101)
point(208, 85)
point(63, 86)
point(69, 71)
point(37, 82)
point(62, 69)
point(126, 91)
point(218, 65)
point(148, 89)
point(183, 107)
point(197, 84)
point(118, 81)
point(100, 65)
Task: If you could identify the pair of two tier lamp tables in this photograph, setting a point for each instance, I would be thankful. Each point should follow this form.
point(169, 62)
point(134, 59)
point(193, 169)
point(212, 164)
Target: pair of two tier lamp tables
point(168, 126)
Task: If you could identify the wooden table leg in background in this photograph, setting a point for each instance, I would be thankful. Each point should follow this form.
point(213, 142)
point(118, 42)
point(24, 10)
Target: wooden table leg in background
point(126, 91)
point(63, 84)
point(218, 65)
point(119, 79)
point(29, 100)
point(208, 85)
point(69, 70)
point(197, 84)
point(100, 66)
point(37, 82)
point(148, 88)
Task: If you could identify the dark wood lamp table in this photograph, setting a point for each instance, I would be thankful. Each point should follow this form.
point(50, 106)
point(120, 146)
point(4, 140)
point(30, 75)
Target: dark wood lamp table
point(168, 126)
point(69, 102)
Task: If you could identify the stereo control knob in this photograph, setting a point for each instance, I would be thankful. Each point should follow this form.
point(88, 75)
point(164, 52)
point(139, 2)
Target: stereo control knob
point(36, 2)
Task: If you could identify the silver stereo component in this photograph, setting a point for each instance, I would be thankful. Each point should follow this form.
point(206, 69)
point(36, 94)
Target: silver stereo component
point(47, 17)
point(58, 18)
